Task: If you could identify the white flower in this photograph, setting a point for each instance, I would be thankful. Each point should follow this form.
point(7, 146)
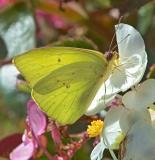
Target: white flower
point(109, 138)
point(136, 103)
point(123, 120)
point(141, 97)
point(141, 131)
point(140, 143)
point(129, 70)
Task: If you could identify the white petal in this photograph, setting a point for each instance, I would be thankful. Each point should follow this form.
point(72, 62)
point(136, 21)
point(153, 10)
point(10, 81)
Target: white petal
point(113, 136)
point(103, 113)
point(97, 152)
point(133, 72)
point(129, 41)
point(110, 88)
point(132, 54)
point(121, 119)
point(126, 75)
point(112, 128)
point(118, 78)
point(100, 101)
point(141, 97)
point(8, 74)
point(140, 142)
point(133, 62)
point(130, 117)
point(152, 114)
point(113, 116)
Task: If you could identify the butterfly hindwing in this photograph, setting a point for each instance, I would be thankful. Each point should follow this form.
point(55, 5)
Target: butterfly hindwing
point(64, 81)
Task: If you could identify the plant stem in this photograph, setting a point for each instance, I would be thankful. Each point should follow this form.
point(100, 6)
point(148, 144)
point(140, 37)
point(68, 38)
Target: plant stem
point(110, 150)
point(48, 155)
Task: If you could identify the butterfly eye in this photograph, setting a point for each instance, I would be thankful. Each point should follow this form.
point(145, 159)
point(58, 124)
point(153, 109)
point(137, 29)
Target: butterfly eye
point(108, 55)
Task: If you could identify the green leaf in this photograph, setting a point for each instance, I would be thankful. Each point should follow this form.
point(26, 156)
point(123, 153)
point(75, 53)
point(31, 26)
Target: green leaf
point(17, 30)
point(82, 153)
point(103, 4)
point(151, 73)
point(3, 48)
point(78, 43)
point(145, 17)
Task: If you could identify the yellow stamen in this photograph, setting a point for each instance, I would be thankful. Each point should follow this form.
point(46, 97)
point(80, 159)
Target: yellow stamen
point(95, 128)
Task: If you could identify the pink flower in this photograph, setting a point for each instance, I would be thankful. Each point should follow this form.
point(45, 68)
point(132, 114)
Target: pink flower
point(3, 3)
point(57, 21)
point(36, 118)
point(36, 121)
point(24, 151)
point(54, 20)
point(116, 102)
point(55, 133)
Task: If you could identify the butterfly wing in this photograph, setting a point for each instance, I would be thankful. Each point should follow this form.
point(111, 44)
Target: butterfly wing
point(64, 80)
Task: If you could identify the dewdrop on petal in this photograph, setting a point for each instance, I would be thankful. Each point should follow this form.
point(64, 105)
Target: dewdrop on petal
point(95, 128)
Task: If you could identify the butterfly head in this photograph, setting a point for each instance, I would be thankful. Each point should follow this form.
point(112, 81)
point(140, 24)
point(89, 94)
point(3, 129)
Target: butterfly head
point(110, 55)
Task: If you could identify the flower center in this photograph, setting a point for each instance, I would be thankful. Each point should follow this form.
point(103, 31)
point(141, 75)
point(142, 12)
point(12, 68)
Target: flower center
point(95, 128)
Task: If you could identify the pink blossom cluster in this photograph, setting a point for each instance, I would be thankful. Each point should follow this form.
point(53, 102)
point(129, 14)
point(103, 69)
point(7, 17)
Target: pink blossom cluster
point(4, 3)
point(36, 125)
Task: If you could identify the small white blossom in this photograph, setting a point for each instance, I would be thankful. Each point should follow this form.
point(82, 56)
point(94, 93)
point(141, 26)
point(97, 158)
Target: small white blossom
point(135, 107)
point(128, 120)
point(109, 137)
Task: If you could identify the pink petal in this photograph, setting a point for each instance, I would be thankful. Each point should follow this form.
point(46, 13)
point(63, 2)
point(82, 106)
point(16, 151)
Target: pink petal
point(55, 133)
point(57, 21)
point(4, 3)
point(37, 119)
point(22, 152)
point(27, 138)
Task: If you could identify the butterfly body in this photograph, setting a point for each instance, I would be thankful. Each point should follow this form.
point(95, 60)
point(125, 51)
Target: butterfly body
point(64, 80)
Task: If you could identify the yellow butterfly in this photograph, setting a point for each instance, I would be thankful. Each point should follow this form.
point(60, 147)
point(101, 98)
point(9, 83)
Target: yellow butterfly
point(64, 80)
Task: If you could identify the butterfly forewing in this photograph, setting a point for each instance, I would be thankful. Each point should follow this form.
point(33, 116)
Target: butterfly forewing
point(67, 75)
point(64, 80)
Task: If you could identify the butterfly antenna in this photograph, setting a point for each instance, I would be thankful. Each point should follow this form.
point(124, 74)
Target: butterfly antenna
point(105, 90)
point(120, 42)
point(114, 35)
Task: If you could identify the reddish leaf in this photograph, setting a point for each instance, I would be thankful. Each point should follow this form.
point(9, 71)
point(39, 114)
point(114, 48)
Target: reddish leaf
point(7, 144)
